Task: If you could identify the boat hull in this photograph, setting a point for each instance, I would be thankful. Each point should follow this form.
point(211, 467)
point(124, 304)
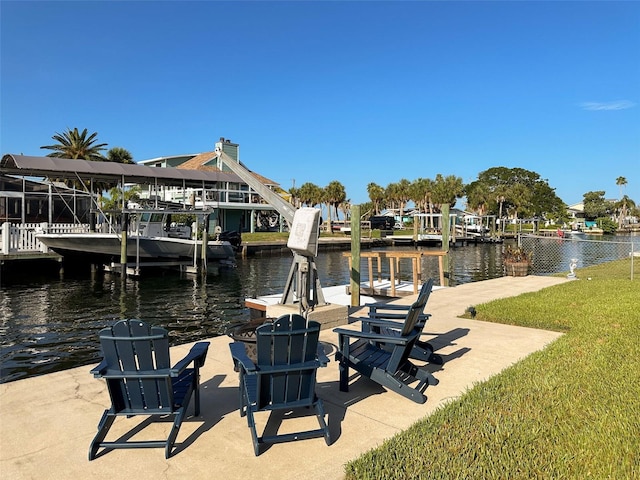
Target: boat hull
point(100, 247)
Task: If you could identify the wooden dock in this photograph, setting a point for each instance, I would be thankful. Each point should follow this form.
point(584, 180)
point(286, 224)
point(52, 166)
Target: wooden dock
point(436, 239)
point(394, 258)
point(11, 263)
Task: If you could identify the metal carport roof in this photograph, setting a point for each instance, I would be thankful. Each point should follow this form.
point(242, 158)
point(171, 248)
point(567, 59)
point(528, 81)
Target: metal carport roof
point(131, 173)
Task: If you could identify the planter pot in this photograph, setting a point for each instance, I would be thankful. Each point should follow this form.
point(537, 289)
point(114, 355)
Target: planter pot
point(516, 269)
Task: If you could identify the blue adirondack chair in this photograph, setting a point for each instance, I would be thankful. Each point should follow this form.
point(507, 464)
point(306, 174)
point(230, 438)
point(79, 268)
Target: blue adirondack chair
point(385, 357)
point(141, 381)
point(387, 318)
point(283, 376)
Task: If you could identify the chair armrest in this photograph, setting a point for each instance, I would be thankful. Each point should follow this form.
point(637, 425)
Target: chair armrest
point(197, 354)
point(239, 355)
point(422, 317)
point(375, 324)
point(376, 337)
point(397, 316)
point(373, 307)
point(100, 369)
point(390, 311)
point(322, 357)
point(380, 322)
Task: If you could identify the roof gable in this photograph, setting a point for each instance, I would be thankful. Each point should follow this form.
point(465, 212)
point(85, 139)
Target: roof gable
point(199, 162)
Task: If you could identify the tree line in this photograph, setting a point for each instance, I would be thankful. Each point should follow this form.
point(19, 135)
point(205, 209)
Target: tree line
point(498, 191)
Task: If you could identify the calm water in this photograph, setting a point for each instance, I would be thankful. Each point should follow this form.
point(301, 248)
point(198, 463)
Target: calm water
point(49, 324)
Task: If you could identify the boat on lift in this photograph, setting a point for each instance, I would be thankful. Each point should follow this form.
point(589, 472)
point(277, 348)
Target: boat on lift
point(152, 238)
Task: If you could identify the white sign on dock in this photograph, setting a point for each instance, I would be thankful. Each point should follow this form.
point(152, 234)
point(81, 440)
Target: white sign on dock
point(303, 238)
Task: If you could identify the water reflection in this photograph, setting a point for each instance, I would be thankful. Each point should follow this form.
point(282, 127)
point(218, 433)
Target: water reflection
point(49, 324)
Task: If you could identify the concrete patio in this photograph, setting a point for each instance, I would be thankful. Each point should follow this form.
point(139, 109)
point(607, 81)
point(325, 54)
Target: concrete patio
point(47, 422)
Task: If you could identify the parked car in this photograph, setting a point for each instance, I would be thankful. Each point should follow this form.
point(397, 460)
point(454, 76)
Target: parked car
point(382, 222)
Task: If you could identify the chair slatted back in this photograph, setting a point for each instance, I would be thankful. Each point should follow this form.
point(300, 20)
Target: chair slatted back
point(138, 366)
point(416, 309)
point(286, 360)
point(401, 353)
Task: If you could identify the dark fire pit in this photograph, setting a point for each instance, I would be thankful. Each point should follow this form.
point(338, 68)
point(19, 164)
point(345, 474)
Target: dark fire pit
point(246, 333)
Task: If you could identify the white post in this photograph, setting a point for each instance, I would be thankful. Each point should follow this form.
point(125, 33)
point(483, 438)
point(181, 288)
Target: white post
point(44, 226)
point(6, 237)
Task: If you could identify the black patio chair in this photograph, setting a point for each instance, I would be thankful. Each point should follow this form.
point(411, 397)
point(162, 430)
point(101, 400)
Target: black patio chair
point(283, 377)
point(385, 358)
point(141, 381)
point(387, 319)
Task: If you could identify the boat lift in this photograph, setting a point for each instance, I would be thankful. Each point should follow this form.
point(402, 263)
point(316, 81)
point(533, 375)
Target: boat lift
point(303, 283)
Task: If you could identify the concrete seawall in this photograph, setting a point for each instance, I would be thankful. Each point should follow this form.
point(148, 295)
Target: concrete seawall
point(47, 422)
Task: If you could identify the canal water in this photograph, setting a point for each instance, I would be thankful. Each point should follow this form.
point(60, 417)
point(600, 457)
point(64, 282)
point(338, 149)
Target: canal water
point(49, 323)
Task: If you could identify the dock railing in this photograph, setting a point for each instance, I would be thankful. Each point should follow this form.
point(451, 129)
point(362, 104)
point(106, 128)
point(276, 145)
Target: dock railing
point(21, 237)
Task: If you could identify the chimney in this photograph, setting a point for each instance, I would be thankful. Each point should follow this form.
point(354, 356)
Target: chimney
point(231, 149)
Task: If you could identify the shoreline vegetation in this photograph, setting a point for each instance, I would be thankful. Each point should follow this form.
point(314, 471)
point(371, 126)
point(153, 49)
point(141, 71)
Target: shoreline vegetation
point(568, 411)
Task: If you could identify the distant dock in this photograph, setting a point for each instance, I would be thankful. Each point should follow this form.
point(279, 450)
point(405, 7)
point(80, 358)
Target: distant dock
point(434, 239)
point(248, 249)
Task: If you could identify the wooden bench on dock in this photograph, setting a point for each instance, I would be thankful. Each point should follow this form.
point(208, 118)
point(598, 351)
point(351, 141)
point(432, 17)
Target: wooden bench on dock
point(394, 258)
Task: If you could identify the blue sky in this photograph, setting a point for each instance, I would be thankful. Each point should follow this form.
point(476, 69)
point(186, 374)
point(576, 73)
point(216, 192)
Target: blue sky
point(354, 91)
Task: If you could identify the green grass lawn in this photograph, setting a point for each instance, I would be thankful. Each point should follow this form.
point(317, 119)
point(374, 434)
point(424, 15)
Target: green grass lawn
point(570, 411)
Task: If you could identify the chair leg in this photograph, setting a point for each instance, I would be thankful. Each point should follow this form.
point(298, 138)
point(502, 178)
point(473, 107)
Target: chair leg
point(243, 394)
point(103, 428)
point(343, 368)
point(177, 422)
point(323, 424)
point(400, 387)
point(196, 393)
point(254, 434)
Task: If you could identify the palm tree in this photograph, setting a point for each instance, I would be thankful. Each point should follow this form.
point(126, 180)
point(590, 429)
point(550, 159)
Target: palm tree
point(334, 195)
point(398, 194)
point(295, 196)
point(478, 199)
point(391, 195)
point(376, 195)
point(421, 193)
point(114, 201)
point(120, 155)
point(623, 206)
point(76, 145)
point(310, 194)
point(404, 195)
point(345, 207)
point(447, 190)
point(621, 182)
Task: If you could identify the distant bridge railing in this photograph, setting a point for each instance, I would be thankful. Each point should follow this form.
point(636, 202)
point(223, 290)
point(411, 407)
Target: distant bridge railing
point(21, 237)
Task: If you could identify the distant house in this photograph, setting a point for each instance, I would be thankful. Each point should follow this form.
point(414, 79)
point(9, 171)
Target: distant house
point(576, 215)
point(237, 206)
